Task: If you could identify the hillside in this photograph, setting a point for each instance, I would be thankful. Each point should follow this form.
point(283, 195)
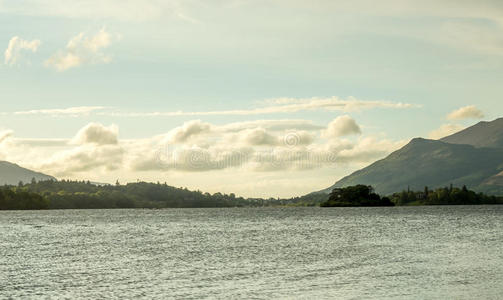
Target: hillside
point(472, 157)
point(11, 174)
point(483, 134)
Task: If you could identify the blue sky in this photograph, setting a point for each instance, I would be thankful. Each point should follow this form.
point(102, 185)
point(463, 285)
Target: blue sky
point(129, 66)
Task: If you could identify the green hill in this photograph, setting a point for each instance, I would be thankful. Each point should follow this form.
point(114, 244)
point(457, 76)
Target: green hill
point(472, 157)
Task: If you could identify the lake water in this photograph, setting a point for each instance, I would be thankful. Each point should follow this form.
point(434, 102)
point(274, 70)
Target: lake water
point(308, 253)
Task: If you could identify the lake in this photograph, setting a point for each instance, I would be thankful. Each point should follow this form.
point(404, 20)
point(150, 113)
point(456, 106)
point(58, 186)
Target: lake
point(444, 252)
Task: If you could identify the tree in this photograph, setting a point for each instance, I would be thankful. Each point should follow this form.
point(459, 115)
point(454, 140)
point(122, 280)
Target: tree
point(358, 195)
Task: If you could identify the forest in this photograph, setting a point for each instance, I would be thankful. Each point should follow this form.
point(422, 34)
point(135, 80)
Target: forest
point(363, 195)
point(444, 196)
point(67, 194)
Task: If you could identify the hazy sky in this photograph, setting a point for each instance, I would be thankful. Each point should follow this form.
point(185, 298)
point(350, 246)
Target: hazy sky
point(260, 98)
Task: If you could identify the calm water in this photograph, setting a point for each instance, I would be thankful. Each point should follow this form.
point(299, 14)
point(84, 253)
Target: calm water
point(345, 253)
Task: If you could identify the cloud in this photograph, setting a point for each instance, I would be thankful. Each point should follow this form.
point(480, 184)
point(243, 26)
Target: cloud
point(123, 10)
point(297, 138)
point(257, 150)
point(188, 130)
point(368, 150)
point(82, 49)
point(445, 130)
point(273, 125)
point(283, 105)
point(5, 134)
point(192, 159)
point(96, 151)
point(96, 133)
point(84, 158)
point(258, 137)
point(341, 126)
point(16, 46)
point(466, 112)
point(71, 111)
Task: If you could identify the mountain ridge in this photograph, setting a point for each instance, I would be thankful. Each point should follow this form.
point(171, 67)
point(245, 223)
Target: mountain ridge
point(12, 174)
point(480, 135)
point(477, 163)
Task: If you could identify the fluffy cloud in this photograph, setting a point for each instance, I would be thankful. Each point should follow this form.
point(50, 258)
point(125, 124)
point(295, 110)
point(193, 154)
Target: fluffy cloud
point(191, 158)
point(367, 150)
point(82, 49)
point(341, 126)
point(187, 131)
point(16, 46)
point(95, 133)
point(245, 150)
point(84, 158)
point(96, 152)
point(444, 130)
point(97, 149)
point(297, 138)
point(258, 137)
point(466, 112)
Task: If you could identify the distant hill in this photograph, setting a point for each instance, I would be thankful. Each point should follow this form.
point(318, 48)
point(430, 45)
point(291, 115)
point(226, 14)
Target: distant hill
point(11, 174)
point(472, 157)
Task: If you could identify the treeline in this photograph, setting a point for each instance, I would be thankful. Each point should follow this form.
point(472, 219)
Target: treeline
point(362, 195)
point(67, 194)
point(444, 196)
point(86, 195)
point(12, 199)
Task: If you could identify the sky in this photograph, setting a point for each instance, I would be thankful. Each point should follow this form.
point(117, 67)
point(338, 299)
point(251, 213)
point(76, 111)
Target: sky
point(258, 98)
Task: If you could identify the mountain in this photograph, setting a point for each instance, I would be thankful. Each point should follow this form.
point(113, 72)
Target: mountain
point(11, 174)
point(472, 157)
point(483, 134)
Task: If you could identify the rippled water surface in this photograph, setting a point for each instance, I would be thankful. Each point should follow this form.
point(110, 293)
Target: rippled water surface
point(344, 253)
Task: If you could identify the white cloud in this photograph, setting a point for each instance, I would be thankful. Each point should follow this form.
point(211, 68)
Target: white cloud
point(257, 137)
point(82, 49)
point(97, 154)
point(85, 158)
point(466, 112)
point(368, 150)
point(187, 131)
point(123, 10)
point(16, 46)
point(71, 111)
point(445, 130)
point(273, 125)
point(341, 126)
point(257, 150)
point(95, 133)
point(297, 138)
point(283, 105)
